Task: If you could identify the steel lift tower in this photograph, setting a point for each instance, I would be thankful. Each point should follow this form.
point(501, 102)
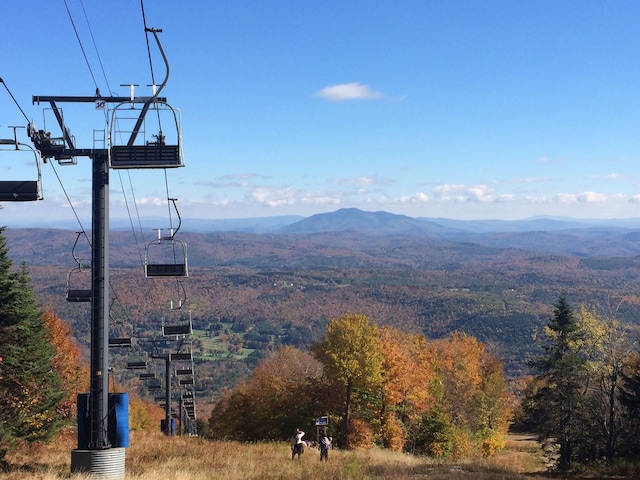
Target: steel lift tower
point(99, 457)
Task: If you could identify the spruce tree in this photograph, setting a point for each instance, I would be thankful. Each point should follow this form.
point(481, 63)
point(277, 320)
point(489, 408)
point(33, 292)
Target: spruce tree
point(29, 386)
point(555, 408)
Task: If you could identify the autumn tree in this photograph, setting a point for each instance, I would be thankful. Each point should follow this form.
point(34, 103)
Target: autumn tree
point(144, 416)
point(406, 380)
point(351, 355)
point(68, 362)
point(30, 387)
point(609, 352)
point(277, 398)
point(472, 412)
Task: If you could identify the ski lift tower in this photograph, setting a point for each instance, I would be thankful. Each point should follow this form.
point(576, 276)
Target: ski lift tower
point(100, 457)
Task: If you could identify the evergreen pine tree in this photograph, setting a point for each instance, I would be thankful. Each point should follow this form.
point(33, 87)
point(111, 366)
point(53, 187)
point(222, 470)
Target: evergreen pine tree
point(29, 386)
point(555, 407)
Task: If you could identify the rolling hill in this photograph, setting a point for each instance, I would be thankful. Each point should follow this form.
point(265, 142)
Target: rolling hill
point(260, 290)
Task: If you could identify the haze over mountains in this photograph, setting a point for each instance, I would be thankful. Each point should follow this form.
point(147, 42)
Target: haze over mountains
point(495, 280)
point(579, 237)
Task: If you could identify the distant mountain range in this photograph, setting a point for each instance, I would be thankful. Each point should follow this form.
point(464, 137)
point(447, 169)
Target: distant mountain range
point(579, 237)
point(496, 280)
point(559, 235)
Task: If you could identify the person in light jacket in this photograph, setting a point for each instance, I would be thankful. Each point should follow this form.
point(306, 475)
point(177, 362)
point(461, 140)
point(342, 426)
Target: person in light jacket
point(325, 445)
point(297, 445)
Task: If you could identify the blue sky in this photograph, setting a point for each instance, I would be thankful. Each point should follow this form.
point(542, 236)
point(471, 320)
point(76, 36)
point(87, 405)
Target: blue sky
point(457, 109)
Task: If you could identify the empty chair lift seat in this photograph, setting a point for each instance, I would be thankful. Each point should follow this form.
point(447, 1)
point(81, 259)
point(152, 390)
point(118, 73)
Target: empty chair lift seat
point(145, 156)
point(120, 342)
point(78, 295)
point(19, 191)
point(166, 269)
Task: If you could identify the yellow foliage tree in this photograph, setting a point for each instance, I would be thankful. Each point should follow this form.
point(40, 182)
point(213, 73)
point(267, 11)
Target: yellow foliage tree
point(352, 357)
point(473, 392)
point(143, 415)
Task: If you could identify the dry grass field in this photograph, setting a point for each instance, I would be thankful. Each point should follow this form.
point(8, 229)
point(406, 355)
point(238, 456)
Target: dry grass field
point(155, 457)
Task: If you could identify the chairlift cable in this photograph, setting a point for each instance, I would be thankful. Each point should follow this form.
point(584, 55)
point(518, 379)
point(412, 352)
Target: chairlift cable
point(95, 47)
point(126, 203)
point(14, 100)
point(137, 235)
point(146, 35)
point(95, 83)
point(69, 200)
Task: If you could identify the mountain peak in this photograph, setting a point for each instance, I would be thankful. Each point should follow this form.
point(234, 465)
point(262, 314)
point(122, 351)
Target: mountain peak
point(356, 220)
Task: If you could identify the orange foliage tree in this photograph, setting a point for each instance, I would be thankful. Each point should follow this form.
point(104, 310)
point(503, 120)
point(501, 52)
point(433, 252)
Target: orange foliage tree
point(472, 392)
point(278, 398)
point(68, 362)
point(444, 397)
point(406, 379)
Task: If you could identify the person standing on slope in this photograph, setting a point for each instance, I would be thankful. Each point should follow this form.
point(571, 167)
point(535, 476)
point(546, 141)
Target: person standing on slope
point(297, 445)
point(325, 445)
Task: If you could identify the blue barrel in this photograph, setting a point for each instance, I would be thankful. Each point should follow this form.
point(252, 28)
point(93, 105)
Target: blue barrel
point(163, 428)
point(84, 422)
point(119, 420)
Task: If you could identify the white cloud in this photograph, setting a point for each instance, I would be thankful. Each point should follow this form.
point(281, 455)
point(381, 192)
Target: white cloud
point(590, 197)
point(463, 193)
point(278, 197)
point(362, 181)
point(584, 197)
point(609, 176)
point(418, 198)
point(348, 91)
point(154, 201)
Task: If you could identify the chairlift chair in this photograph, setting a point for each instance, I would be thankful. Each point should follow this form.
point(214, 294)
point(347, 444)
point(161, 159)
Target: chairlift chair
point(120, 342)
point(77, 294)
point(137, 365)
point(78, 279)
point(138, 361)
point(131, 146)
point(140, 150)
point(180, 357)
point(154, 385)
point(120, 334)
point(177, 322)
point(21, 190)
point(165, 257)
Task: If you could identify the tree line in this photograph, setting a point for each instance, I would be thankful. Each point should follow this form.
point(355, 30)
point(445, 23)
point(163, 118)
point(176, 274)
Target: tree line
point(40, 371)
point(41, 367)
point(376, 386)
point(585, 399)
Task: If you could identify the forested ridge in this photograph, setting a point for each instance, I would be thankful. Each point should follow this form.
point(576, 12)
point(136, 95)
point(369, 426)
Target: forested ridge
point(402, 341)
point(250, 293)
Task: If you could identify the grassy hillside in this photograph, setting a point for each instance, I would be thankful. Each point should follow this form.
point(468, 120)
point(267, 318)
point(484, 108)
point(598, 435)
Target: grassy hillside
point(154, 457)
